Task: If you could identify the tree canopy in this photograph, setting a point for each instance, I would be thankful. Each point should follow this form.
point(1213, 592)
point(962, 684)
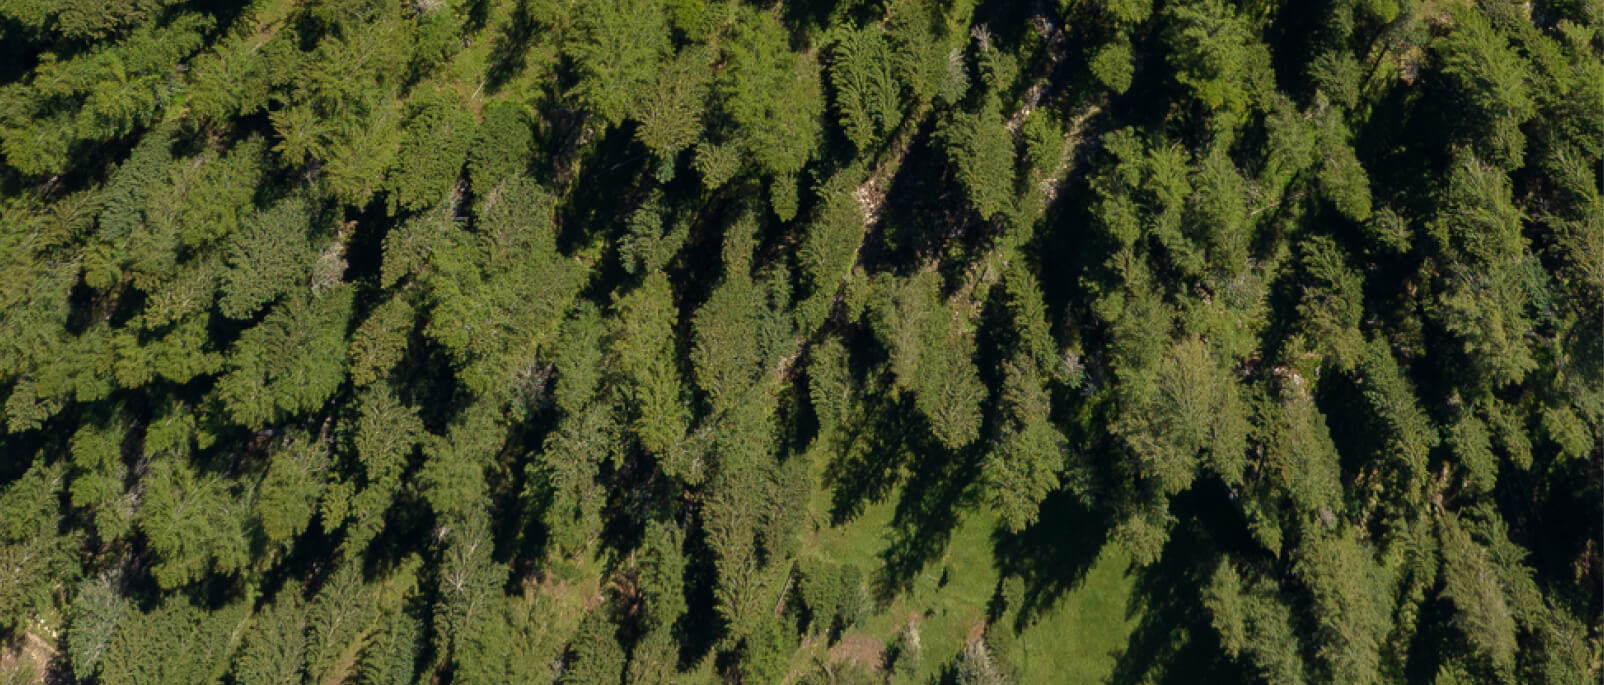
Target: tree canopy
point(815, 341)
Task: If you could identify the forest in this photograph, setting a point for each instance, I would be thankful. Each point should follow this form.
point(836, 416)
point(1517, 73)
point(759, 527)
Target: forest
point(962, 342)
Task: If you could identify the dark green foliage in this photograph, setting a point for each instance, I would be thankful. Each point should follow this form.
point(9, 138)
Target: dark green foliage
point(288, 495)
point(93, 97)
point(273, 651)
point(834, 594)
point(523, 341)
point(765, 653)
point(594, 655)
point(433, 149)
point(502, 146)
point(565, 473)
point(290, 362)
point(177, 642)
point(193, 524)
point(1030, 453)
point(643, 352)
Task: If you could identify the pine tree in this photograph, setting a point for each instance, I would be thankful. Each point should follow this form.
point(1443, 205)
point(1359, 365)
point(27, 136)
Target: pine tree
point(868, 98)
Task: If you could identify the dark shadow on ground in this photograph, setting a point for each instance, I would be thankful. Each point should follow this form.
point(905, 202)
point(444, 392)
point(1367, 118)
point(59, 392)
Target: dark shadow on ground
point(869, 458)
point(941, 484)
point(1173, 642)
point(1053, 555)
point(509, 48)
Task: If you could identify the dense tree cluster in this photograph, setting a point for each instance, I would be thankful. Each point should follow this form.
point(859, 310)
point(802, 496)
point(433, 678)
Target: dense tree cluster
point(481, 341)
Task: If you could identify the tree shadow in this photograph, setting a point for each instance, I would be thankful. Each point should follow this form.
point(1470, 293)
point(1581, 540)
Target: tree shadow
point(509, 49)
point(939, 487)
point(1053, 555)
point(1174, 641)
point(869, 457)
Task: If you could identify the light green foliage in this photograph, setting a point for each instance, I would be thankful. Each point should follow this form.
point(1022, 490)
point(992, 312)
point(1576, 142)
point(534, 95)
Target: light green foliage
point(580, 356)
point(1352, 603)
point(834, 594)
point(643, 353)
point(1485, 259)
point(928, 43)
point(1254, 624)
point(231, 80)
point(830, 243)
point(1332, 303)
point(32, 558)
point(1216, 55)
point(193, 523)
point(1220, 211)
point(726, 326)
point(391, 651)
point(290, 362)
point(386, 436)
point(654, 659)
point(868, 98)
point(273, 649)
point(1472, 584)
point(1408, 433)
point(452, 476)
point(336, 618)
point(289, 492)
point(618, 50)
point(771, 94)
point(1300, 458)
point(1473, 450)
point(177, 642)
point(737, 330)
point(1492, 82)
point(981, 152)
point(1112, 65)
point(932, 357)
point(671, 111)
point(829, 383)
point(1191, 406)
point(96, 611)
point(717, 163)
point(1342, 178)
point(504, 645)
